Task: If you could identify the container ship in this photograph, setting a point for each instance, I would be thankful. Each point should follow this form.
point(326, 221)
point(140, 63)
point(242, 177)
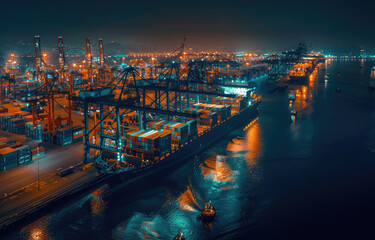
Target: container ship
point(302, 71)
point(165, 145)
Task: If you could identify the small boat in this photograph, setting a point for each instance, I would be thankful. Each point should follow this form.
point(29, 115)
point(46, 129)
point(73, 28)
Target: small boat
point(208, 213)
point(338, 89)
point(293, 111)
point(292, 95)
point(327, 76)
point(179, 236)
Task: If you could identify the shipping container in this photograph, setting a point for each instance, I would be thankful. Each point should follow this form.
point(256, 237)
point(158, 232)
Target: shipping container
point(24, 154)
point(64, 136)
point(8, 158)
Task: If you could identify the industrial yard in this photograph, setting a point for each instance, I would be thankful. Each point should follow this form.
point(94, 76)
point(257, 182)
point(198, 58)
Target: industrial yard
point(67, 126)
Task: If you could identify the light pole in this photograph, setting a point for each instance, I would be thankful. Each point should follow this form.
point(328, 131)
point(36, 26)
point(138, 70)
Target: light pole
point(38, 174)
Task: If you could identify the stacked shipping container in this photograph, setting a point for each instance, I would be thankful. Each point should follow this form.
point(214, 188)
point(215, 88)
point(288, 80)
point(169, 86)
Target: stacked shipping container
point(19, 155)
point(150, 141)
point(64, 136)
point(77, 134)
point(179, 131)
point(222, 111)
point(37, 152)
point(206, 117)
point(23, 154)
point(8, 158)
point(237, 103)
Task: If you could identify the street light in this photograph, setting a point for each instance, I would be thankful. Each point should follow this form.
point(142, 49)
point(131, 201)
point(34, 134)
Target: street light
point(38, 175)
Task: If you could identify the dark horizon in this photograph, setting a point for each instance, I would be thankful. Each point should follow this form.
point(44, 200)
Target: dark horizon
point(239, 26)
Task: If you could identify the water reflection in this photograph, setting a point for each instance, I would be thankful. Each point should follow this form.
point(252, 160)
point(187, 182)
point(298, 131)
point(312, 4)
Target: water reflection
point(217, 170)
point(98, 205)
point(141, 226)
point(37, 231)
point(187, 201)
point(372, 79)
point(362, 66)
point(293, 118)
point(254, 141)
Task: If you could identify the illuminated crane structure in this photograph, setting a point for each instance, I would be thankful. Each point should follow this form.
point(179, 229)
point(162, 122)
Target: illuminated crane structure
point(54, 87)
point(167, 95)
point(89, 62)
point(105, 73)
point(7, 84)
point(63, 62)
point(53, 91)
point(67, 76)
point(280, 64)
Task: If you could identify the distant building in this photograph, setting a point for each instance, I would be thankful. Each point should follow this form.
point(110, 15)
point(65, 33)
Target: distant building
point(362, 53)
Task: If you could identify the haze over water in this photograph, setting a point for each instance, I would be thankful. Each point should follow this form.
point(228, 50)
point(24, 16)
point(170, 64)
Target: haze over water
point(311, 176)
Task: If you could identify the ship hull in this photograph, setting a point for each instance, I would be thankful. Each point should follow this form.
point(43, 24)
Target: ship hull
point(298, 80)
point(186, 152)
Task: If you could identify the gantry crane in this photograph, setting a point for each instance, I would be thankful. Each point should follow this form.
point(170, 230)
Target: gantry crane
point(89, 62)
point(39, 62)
point(179, 52)
point(130, 92)
point(67, 76)
point(54, 88)
point(105, 73)
point(7, 84)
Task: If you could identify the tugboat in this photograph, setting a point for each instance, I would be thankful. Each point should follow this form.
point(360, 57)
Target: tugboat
point(208, 213)
point(179, 236)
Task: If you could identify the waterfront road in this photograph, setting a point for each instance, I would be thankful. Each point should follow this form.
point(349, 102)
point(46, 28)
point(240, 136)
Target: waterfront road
point(50, 187)
point(55, 157)
point(19, 190)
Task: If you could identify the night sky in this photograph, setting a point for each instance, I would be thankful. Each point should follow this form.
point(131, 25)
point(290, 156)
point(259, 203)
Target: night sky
point(213, 24)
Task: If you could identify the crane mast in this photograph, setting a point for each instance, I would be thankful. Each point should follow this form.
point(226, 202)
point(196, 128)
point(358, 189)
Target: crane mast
point(38, 57)
point(89, 61)
point(60, 44)
point(101, 53)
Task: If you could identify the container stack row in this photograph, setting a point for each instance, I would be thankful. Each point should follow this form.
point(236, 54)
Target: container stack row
point(206, 117)
point(8, 158)
point(24, 154)
point(77, 134)
point(37, 131)
point(151, 141)
point(37, 152)
point(237, 103)
point(179, 131)
point(193, 128)
point(64, 136)
point(222, 111)
point(13, 153)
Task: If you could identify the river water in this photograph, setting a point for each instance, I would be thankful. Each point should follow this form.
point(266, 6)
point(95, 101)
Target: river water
point(312, 176)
